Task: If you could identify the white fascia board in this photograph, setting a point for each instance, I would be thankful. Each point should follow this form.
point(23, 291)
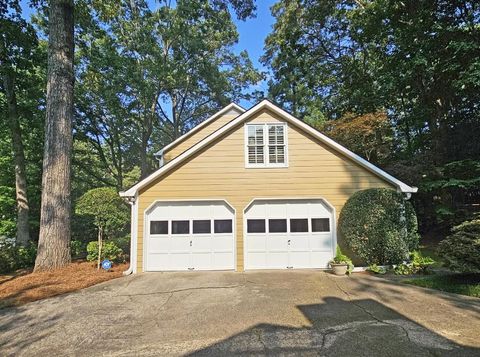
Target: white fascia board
point(231, 107)
point(265, 104)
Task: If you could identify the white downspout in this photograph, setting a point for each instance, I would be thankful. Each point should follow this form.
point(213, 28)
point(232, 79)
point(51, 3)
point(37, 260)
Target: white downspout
point(133, 236)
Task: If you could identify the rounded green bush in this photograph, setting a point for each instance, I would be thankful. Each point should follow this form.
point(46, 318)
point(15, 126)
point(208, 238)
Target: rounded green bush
point(461, 250)
point(379, 226)
point(110, 251)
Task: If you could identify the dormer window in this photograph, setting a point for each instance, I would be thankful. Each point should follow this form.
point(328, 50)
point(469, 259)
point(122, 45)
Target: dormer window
point(266, 145)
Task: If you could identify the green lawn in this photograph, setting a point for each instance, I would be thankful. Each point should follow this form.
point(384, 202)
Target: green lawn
point(464, 284)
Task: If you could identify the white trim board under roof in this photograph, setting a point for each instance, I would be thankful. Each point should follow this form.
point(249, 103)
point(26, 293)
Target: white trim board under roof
point(230, 109)
point(265, 104)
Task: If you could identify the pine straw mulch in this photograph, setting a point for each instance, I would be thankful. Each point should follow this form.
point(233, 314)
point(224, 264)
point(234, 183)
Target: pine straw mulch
point(25, 286)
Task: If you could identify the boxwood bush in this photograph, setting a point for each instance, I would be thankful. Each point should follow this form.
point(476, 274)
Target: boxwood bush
point(110, 251)
point(379, 226)
point(461, 250)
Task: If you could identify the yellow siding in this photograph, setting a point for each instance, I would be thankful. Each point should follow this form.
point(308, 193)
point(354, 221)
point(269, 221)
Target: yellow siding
point(197, 136)
point(219, 172)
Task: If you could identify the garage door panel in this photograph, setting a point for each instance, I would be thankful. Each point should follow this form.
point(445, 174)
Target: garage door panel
point(159, 245)
point(221, 260)
point(300, 260)
point(321, 242)
point(202, 260)
point(168, 261)
point(322, 258)
point(257, 260)
point(277, 260)
point(222, 244)
point(276, 243)
point(197, 247)
point(300, 242)
point(201, 244)
point(276, 210)
point(296, 246)
point(176, 261)
point(257, 242)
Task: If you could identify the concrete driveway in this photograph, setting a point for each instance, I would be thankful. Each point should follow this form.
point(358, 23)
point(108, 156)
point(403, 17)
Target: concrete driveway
point(260, 313)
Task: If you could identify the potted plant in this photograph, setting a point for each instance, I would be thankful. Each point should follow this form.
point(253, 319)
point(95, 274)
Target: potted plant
point(341, 264)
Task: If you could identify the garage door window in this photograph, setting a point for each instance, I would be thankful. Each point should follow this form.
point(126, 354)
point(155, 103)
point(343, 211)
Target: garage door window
point(320, 225)
point(222, 226)
point(159, 227)
point(202, 226)
point(180, 227)
point(299, 225)
point(256, 226)
point(277, 225)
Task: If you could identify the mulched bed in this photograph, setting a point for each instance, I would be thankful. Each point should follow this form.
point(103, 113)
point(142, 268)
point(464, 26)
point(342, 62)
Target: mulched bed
point(25, 286)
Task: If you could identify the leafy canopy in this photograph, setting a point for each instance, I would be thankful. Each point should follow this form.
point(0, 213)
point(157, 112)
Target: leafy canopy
point(106, 207)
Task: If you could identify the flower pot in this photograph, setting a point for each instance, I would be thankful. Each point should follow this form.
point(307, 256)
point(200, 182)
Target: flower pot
point(339, 269)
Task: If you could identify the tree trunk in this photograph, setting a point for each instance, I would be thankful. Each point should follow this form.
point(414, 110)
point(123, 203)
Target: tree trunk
point(100, 246)
point(23, 235)
point(55, 211)
point(144, 169)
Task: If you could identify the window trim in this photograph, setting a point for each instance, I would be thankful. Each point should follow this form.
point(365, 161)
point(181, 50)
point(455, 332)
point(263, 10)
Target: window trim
point(266, 158)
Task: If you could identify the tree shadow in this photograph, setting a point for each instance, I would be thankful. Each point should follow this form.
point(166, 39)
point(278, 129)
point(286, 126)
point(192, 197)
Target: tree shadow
point(338, 327)
point(396, 288)
point(15, 321)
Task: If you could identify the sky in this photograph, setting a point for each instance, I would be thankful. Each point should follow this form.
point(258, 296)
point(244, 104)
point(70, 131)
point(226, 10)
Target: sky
point(252, 34)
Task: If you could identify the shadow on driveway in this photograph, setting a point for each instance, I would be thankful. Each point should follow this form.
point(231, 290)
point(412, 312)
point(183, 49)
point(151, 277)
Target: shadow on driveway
point(341, 328)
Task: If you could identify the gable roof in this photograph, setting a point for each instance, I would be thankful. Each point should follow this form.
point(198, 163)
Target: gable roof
point(232, 107)
point(265, 104)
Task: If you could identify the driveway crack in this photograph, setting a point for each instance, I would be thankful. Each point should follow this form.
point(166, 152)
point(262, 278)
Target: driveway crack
point(185, 289)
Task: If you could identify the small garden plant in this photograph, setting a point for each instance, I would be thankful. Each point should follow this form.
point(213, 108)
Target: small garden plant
point(341, 258)
point(374, 268)
point(418, 264)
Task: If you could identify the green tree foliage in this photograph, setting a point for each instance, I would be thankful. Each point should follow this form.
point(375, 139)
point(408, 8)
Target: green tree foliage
point(417, 61)
point(146, 76)
point(369, 135)
point(23, 59)
point(461, 250)
point(379, 226)
point(106, 208)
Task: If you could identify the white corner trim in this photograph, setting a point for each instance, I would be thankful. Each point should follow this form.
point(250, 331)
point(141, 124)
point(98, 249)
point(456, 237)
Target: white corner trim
point(133, 237)
point(265, 104)
point(229, 109)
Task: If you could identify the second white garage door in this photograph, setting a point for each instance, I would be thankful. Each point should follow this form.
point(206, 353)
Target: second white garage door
point(190, 236)
point(288, 234)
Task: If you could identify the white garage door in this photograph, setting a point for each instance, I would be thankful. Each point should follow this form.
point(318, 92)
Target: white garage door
point(288, 234)
point(190, 236)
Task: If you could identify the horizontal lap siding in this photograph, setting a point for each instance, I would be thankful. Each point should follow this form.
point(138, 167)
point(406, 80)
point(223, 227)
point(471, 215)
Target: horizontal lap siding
point(219, 172)
point(196, 137)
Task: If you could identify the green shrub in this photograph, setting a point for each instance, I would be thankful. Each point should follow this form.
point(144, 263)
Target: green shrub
point(461, 250)
point(78, 249)
point(14, 257)
point(374, 268)
point(341, 258)
point(418, 264)
point(123, 243)
point(110, 251)
point(106, 209)
point(379, 225)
